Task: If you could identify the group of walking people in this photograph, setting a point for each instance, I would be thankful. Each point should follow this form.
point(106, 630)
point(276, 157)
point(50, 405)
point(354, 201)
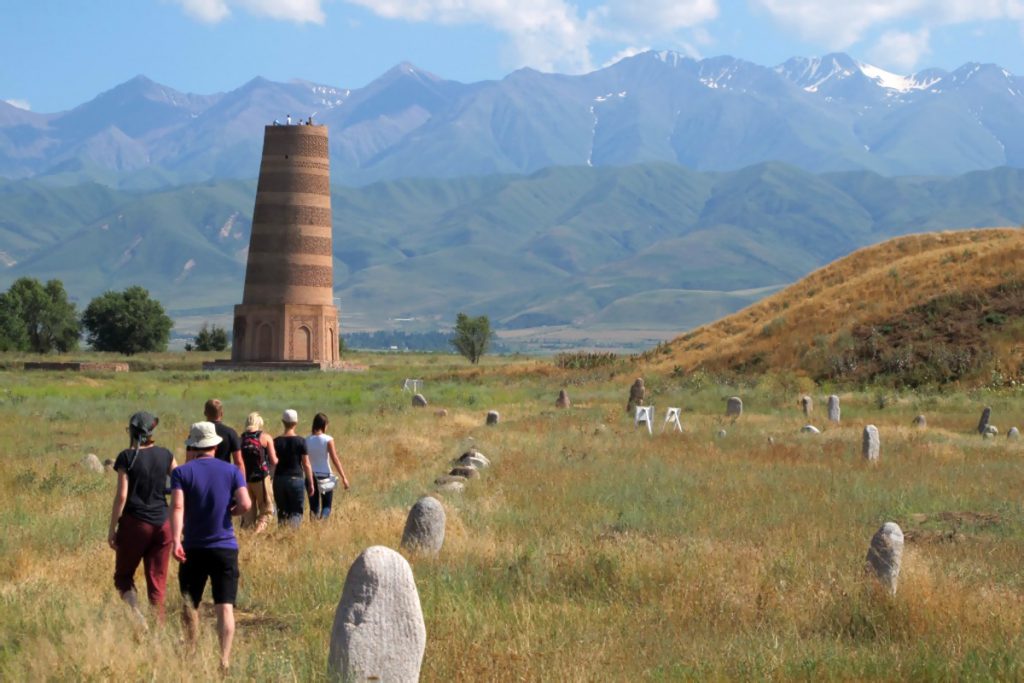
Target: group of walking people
point(225, 474)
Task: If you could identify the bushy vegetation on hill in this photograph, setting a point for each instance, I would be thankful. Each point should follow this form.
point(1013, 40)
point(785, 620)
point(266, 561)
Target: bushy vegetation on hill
point(924, 309)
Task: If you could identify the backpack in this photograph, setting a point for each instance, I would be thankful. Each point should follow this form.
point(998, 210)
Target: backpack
point(254, 456)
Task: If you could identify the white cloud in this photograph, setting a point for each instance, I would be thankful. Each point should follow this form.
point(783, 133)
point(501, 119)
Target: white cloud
point(841, 24)
point(901, 50)
point(654, 17)
point(624, 53)
point(209, 11)
point(298, 11)
point(546, 34)
point(557, 34)
point(19, 104)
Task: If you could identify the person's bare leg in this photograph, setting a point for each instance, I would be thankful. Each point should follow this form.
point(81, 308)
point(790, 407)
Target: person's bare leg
point(131, 598)
point(226, 631)
point(189, 619)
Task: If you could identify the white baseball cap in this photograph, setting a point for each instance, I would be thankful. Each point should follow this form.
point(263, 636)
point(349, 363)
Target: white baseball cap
point(290, 416)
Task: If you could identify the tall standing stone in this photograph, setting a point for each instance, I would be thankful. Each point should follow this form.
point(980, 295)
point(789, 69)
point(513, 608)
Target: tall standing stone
point(833, 409)
point(986, 415)
point(871, 446)
point(733, 406)
point(563, 400)
point(807, 405)
point(378, 631)
point(424, 528)
point(637, 395)
point(885, 555)
point(287, 314)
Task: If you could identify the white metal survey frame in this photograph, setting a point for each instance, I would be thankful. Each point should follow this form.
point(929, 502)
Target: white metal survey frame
point(645, 414)
point(672, 418)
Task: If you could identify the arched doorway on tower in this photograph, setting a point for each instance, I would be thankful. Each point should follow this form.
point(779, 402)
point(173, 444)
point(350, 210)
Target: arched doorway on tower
point(303, 343)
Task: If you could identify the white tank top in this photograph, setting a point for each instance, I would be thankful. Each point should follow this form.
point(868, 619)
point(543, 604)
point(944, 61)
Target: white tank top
point(316, 446)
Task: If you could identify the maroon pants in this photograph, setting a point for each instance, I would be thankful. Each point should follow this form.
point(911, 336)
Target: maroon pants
point(139, 541)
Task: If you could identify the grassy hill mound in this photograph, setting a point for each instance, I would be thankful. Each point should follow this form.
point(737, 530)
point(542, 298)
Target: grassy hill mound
point(924, 309)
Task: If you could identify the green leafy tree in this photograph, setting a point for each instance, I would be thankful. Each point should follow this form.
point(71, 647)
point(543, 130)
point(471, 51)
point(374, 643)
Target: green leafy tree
point(210, 339)
point(472, 336)
point(38, 318)
point(127, 322)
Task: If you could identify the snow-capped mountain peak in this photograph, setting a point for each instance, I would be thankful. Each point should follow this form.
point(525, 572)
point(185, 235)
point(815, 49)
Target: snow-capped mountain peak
point(819, 74)
point(669, 57)
point(891, 81)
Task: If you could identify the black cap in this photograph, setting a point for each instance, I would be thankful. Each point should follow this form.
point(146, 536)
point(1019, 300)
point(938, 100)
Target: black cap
point(142, 424)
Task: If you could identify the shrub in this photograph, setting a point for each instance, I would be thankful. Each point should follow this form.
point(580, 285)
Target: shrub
point(472, 336)
point(210, 339)
point(127, 322)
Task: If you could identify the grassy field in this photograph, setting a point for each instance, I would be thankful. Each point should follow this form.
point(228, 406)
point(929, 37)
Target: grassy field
point(589, 551)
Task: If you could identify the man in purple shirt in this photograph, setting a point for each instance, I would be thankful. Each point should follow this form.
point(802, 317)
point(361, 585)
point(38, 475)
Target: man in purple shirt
point(205, 492)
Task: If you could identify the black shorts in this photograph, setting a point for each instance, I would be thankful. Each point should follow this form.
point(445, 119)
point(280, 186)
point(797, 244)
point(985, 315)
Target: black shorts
point(220, 565)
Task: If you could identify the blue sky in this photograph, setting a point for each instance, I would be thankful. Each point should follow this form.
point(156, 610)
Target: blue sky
point(56, 54)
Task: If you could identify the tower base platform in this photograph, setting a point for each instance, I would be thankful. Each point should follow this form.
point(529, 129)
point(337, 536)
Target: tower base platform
point(284, 365)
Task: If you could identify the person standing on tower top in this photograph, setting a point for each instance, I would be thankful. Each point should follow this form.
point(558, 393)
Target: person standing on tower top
point(288, 119)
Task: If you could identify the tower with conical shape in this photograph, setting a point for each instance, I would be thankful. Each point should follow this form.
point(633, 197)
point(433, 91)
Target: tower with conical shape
point(287, 317)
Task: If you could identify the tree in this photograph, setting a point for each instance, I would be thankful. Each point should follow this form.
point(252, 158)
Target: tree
point(38, 318)
point(210, 339)
point(472, 336)
point(127, 322)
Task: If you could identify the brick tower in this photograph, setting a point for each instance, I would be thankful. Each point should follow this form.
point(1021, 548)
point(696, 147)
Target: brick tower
point(287, 317)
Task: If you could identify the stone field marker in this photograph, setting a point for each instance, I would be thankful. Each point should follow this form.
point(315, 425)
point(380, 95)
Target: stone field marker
point(378, 631)
point(451, 484)
point(424, 527)
point(1013, 434)
point(475, 459)
point(493, 417)
point(733, 406)
point(563, 400)
point(885, 555)
point(419, 401)
point(986, 415)
point(921, 421)
point(807, 405)
point(833, 409)
point(810, 429)
point(871, 447)
point(637, 395)
point(91, 463)
point(465, 471)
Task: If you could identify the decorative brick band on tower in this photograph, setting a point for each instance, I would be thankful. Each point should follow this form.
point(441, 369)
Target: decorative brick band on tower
point(287, 315)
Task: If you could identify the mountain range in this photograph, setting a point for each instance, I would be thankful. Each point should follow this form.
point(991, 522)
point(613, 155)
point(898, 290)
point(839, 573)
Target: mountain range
point(826, 114)
point(643, 247)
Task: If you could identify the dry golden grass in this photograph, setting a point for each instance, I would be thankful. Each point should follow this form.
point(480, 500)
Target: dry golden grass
point(589, 552)
point(872, 284)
